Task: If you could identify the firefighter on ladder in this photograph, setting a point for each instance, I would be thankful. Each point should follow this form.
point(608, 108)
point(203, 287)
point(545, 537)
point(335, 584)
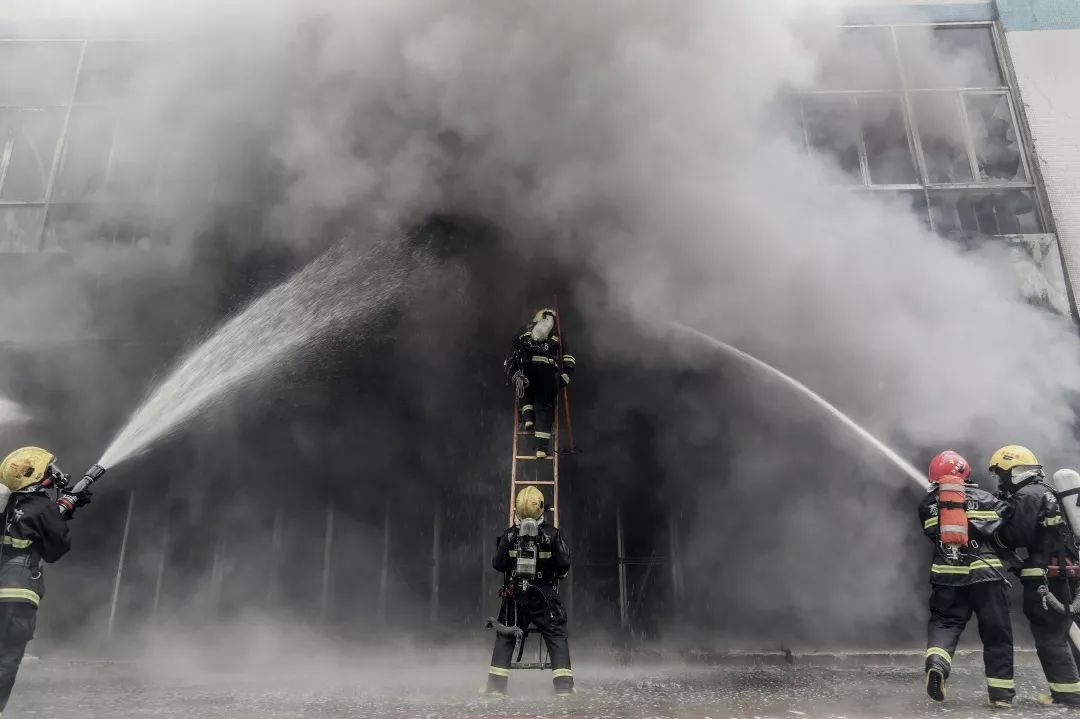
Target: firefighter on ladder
point(33, 532)
point(539, 366)
point(1051, 573)
point(532, 571)
point(966, 577)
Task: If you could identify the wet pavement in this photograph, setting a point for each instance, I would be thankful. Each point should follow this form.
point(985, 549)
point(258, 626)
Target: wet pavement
point(54, 689)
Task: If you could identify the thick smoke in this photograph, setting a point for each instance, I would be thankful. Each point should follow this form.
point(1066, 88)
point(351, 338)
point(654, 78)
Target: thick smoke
point(645, 146)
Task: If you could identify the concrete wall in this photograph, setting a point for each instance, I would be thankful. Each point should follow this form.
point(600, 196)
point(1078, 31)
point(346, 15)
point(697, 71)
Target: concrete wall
point(1043, 39)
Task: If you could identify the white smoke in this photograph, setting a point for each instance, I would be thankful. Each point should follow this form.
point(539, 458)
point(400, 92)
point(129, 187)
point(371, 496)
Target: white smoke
point(11, 412)
point(642, 142)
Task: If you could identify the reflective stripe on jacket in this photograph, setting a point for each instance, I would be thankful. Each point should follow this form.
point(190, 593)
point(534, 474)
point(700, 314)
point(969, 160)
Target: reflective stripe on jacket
point(1036, 524)
point(33, 531)
point(978, 562)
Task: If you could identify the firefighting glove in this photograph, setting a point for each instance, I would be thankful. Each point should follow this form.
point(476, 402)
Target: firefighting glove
point(564, 379)
point(71, 502)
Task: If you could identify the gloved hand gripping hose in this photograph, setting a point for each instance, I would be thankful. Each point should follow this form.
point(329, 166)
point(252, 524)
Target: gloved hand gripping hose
point(516, 633)
point(1051, 602)
point(70, 499)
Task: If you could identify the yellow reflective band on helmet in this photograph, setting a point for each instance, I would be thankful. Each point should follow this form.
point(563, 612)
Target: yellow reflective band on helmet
point(932, 522)
point(499, 671)
point(1032, 572)
point(982, 514)
point(526, 407)
point(17, 543)
point(1052, 521)
point(561, 673)
point(25, 595)
point(939, 652)
point(543, 435)
point(1001, 683)
point(1073, 688)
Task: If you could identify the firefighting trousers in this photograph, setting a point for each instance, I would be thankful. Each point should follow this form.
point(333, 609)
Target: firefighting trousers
point(546, 613)
point(538, 405)
point(17, 622)
point(950, 610)
point(1051, 633)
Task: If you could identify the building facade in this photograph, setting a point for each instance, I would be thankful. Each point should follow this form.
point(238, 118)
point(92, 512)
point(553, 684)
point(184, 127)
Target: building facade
point(966, 113)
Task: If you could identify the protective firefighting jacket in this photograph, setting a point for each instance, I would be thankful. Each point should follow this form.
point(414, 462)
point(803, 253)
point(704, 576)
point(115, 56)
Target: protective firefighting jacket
point(1037, 524)
point(978, 562)
point(552, 561)
point(33, 532)
point(551, 352)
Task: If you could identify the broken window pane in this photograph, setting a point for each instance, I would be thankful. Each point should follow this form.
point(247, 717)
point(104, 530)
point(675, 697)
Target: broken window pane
point(37, 73)
point(941, 133)
point(885, 133)
point(956, 57)
point(84, 168)
point(997, 148)
point(832, 129)
point(983, 212)
point(27, 144)
point(108, 71)
point(860, 59)
point(20, 228)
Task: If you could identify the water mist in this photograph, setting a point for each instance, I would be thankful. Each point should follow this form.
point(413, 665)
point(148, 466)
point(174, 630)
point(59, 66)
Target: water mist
point(287, 323)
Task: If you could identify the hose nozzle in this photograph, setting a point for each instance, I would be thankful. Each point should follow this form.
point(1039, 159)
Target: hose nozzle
point(67, 500)
point(92, 475)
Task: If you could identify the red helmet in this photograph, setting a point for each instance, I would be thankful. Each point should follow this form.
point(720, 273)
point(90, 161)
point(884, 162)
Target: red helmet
point(949, 464)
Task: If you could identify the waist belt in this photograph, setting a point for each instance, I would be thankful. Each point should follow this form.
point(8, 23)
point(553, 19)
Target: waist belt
point(19, 560)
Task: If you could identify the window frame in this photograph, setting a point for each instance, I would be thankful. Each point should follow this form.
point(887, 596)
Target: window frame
point(908, 90)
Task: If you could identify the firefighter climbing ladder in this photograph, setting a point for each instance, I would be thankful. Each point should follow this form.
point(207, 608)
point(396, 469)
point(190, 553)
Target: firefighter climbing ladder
point(543, 472)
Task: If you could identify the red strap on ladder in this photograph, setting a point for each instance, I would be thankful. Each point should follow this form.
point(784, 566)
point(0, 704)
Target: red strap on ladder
point(562, 370)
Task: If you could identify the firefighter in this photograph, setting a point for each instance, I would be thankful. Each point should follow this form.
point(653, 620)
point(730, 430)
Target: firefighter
point(965, 577)
point(1037, 524)
point(533, 600)
point(540, 366)
point(33, 531)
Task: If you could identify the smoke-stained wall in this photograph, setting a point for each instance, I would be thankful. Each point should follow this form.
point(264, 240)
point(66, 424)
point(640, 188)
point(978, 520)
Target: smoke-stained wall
point(637, 161)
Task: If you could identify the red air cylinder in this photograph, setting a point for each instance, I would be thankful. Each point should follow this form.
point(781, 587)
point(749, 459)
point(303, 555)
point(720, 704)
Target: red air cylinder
point(948, 471)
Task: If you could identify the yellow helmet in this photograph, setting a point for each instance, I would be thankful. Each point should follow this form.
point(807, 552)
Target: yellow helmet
point(24, 467)
point(541, 312)
point(1013, 455)
point(529, 503)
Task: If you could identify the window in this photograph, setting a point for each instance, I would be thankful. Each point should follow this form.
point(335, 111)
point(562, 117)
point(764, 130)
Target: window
point(77, 161)
point(924, 111)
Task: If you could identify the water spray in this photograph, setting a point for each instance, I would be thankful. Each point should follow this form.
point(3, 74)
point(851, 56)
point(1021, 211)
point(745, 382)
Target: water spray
point(905, 466)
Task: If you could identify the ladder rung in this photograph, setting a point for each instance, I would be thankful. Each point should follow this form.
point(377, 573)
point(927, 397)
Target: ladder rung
point(539, 481)
point(526, 457)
